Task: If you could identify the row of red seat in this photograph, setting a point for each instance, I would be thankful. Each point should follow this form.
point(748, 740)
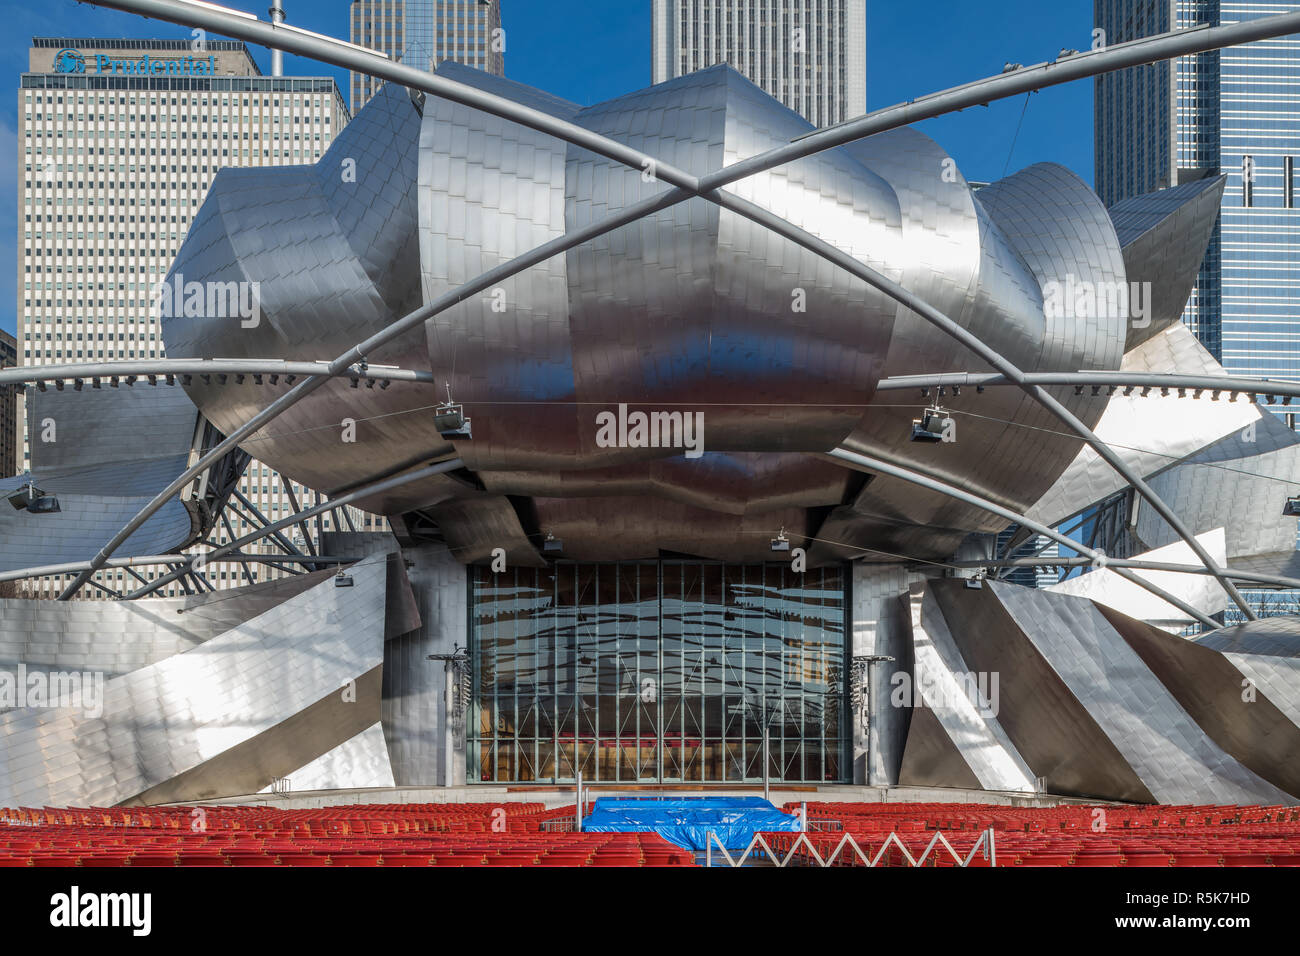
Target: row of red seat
point(641, 850)
point(1074, 835)
point(364, 818)
point(959, 816)
point(399, 835)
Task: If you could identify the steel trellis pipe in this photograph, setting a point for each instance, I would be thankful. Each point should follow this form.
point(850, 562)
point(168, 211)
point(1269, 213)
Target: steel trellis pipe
point(149, 560)
point(1245, 385)
point(378, 487)
point(1165, 46)
point(981, 92)
point(358, 352)
point(1148, 50)
point(329, 50)
point(162, 368)
point(932, 315)
point(1138, 564)
point(884, 467)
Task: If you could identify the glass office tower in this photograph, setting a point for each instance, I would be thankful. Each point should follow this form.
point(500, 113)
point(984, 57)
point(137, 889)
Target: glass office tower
point(423, 33)
point(1237, 112)
point(131, 157)
point(809, 54)
point(653, 672)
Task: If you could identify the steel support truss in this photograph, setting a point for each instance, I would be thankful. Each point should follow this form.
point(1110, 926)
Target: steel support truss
point(984, 849)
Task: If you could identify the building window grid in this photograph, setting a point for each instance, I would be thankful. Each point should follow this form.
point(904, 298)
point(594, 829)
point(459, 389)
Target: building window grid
point(657, 671)
point(90, 318)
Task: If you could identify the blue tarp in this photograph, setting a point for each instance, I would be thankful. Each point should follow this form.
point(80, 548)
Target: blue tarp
point(686, 821)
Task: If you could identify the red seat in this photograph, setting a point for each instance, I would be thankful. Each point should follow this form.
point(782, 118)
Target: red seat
point(1044, 859)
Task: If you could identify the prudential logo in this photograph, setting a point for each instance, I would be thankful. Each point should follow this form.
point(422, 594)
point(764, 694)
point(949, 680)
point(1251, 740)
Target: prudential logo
point(69, 61)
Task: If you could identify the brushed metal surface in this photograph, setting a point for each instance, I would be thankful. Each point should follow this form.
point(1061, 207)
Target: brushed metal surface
point(1173, 756)
point(111, 452)
point(938, 666)
point(1156, 230)
point(1210, 686)
point(691, 309)
point(234, 695)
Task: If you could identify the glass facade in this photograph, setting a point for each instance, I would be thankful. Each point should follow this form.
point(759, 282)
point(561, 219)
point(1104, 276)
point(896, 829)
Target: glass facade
point(1259, 137)
point(1235, 111)
point(424, 33)
point(809, 54)
point(649, 672)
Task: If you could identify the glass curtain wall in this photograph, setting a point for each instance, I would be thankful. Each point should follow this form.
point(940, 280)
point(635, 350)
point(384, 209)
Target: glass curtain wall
point(657, 672)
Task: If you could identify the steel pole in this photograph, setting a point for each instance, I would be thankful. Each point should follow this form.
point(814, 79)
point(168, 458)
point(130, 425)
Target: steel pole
point(767, 761)
point(358, 58)
point(867, 722)
point(889, 287)
point(131, 369)
point(1165, 46)
point(884, 467)
point(277, 56)
point(358, 352)
point(378, 487)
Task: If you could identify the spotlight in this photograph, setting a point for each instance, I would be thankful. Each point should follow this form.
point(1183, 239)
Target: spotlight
point(449, 418)
point(781, 542)
point(552, 544)
point(24, 496)
point(929, 427)
point(32, 499)
point(342, 580)
point(45, 504)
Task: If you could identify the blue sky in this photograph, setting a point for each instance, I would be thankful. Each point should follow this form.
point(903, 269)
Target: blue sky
point(912, 48)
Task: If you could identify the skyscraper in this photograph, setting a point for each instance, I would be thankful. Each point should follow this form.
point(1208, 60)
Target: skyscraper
point(119, 142)
point(1234, 112)
point(423, 33)
point(8, 409)
point(809, 54)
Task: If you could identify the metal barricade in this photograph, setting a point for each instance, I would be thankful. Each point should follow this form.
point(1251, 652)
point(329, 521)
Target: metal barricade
point(984, 847)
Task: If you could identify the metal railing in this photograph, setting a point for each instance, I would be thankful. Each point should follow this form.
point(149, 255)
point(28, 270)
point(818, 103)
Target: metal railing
point(824, 826)
point(809, 856)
